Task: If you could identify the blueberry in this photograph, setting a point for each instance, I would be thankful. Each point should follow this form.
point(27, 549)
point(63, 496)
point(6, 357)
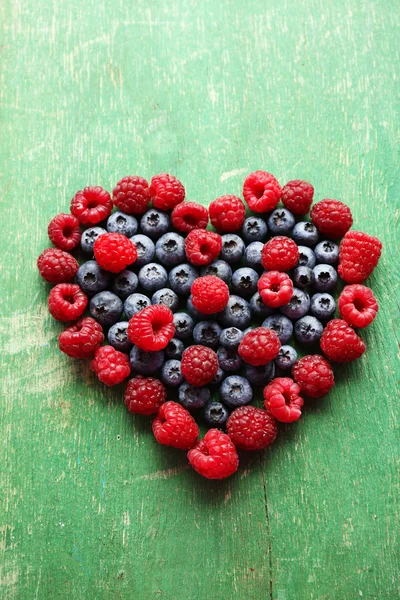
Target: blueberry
point(327, 252)
point(152, 277)
point(181, 279)
point(229, 360)
point(298, 305)
point(244, 282)
point(170, 249)
point(125, 283)
point(325, 278)
point(145, 363)
point(230, 337)
point(252, 255)
point(118, 336)
point(306, 257)
point(119, 222)
point(207, 333)
point(89, 236)
point(236, 313)
point(171, 372)
point(91, 278)
point(106, 308)
point(323, 306)
point(236, 391)
point(281, 222)
point(215, 414)
point(134, 303)
point(174, 348)
point(154, 223)
point(303, 277)
point(258, 308)
point(305, 233)
point(232, 248)
point(282, 326)
point(286, 358)
point(308, 330)
point(218, 268)
point(220, 376)
point(167, 297)
point(254, 229)
point(184, 325)
point(193, 397)
point(145, 249)
point(260, 375)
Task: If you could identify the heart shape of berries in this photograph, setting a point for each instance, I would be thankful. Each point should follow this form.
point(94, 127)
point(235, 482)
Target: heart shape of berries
point(210, 309)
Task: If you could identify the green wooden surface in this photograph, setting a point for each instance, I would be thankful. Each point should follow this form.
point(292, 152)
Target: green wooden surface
point(91, 91)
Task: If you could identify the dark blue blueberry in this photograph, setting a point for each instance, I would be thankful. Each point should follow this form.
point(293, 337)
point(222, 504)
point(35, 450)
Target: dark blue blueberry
point(171, 372)
point(145, 249)
point(184, 325)
point(152, 277)
point(181, 278)
point(286, 358)
point(236, 313)
point(282, 326)
point(258, 308)
point(230, 337)
point(167, 297)
point(298, 305)
point(303, 277)
point(174, 348)
point(145, 363)
point(260, 375)
point(236, 391)
point(305, 233)
point(306, 257)
point(89, 236)
point(125, 283)
point(91, 278)
point(218, 268)
point(232, 248)
point(154, 223)
point(281, 222)
point(219, 377)
point(207, 333)
point(216, 414)
point(244, 282)
point(118, 336)
point(323, 306)
point(193, 397)
point(134, 303)
point(308, 330)
point(327, 252)
point(106, 308)
point(229, 360)
point(254, 229)
point(170, 249)
point(325, 278)
point(119, 222)
point(252, 255)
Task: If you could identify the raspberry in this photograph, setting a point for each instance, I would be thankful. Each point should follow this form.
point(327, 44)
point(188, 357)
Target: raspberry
point(340, 343)
point(64, 231)
point(227, 213)
point(280, 254)
point(166, 191)
point(110, 365)
point(132, 195)
point(67, 302)
point(91, 205)
point(259, 346)
point(209, 294)
point(187, 216)
point(314, 375)
point(332, 217)
point(297, 196)
point(202, 247)
point(357, 305)
point(251, 428)
point(81, 339)
point(57, 266)
point(275, 288)
point(174, 426)
point(261, 191)
point(358, 256)
point(152, 328)
point(281, 399)
point(199, 365)
point(114, 252)
point(144, 395)
point(215, 456)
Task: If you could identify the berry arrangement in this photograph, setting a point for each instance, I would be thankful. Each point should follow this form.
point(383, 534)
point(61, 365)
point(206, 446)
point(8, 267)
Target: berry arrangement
point(201, 320)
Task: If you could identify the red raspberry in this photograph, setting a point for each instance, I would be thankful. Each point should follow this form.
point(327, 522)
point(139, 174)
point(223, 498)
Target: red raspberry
point(64, 231)
point(251, 428)
point(340, 343)
point(358, 256)
point(281, 398)
point(227, 213)
point(57, 266)
point(275, 288)
point(280, 254)
point(209, 294)
point(332, 217)
point(110, 365)
point(174, 426)
point(357, 305)
point(81, 339)
point(152, 328)
point(187, 216)
point(166, 191)
point(314, 375)
point(132, 195)
point(67, 302)
point(261, 191)
point(144, 395)
point(214, 456)
point(297, 196)
point(259, 346)
point(202, 247)
point(91, 205)
point(114, 252)
point(199, 365)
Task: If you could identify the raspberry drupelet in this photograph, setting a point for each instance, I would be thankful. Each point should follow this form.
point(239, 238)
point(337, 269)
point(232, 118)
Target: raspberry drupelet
point(282, 399)
point(64, 231)
point(280, 254)
point(340, 343)
point(144, 395)
point(227, 213)
point(275, 288)
point(81, 339)
point(91, 205)
point(202, 247)
point(251, 428)
point(297, 196)
point(261, 191)
point(357, 305)
point(57, 266)
point(187, 216)
point(332, 217)
point(166, 191)
point(359, 254)
point(209, 294)
point(199, 365)
point(314, 375)
point(215, 456)
point(132, 195)
point(114, 252)
point(67, 302)
point(152, 328)
point(259, 346)
point(174, 426)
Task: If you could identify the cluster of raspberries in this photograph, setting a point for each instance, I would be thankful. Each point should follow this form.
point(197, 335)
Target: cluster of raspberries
point(201, 319)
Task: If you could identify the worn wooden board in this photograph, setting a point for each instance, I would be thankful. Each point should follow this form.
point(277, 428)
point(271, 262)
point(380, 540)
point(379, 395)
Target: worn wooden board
point(94, 90)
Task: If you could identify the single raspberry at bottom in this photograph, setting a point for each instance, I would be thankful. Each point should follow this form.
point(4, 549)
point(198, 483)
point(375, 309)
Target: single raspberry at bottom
point(251, 428)
point(314, 375)
point(67, 302)
point(144, 395)
point(282, 399)
point(215, 456)
point(340, 343)
point(110, 365)
point(357, 305)
point(174, 426)
point(81, 339)
point(187, 216)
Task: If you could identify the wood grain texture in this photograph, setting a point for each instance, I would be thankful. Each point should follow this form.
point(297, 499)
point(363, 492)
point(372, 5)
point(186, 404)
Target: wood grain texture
point(92, 91)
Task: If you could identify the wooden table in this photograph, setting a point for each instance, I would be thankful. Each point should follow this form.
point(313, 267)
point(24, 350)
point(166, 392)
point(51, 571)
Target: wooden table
point(92, 91)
